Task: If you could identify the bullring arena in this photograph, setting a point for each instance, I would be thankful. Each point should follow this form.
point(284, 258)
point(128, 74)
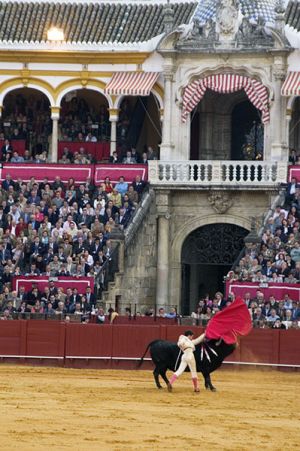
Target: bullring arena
point(149, 177)
point(60, 408)
point(94, 398)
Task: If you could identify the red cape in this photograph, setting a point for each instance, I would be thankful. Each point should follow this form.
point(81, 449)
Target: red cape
point(227, 324)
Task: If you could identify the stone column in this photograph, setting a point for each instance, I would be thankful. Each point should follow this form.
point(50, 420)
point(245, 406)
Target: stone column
point(113, 118)
point(54, 142)
point(279, 151)
point(163, 239)
point(167, 145)
point(288, 118)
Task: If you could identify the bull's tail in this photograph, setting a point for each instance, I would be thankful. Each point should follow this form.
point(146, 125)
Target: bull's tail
point(142, 358)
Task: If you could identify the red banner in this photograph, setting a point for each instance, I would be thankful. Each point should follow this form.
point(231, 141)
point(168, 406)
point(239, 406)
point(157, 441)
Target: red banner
point(43, 281)
point(278, 290)
point(40, 171)
point(114, 171)
point(294, 171)
point(99, 150)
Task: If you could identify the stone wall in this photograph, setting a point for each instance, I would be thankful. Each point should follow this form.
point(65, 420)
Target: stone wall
point(181, 212)
point(137, 284)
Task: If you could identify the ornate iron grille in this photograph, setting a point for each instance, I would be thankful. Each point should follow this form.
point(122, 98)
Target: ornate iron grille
point(215, 244)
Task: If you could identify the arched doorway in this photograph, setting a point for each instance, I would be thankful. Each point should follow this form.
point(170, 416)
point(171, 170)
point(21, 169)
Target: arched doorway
point(294, 130)
point(26, 117)
point(84, 111)
point(222, 124)
point(247, 132)
point(207, 255)
point(139, 124)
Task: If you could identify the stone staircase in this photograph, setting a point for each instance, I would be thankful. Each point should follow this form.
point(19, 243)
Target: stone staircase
point(135, 281)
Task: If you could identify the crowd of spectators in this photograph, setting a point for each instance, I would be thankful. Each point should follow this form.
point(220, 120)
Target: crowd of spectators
point(265, 313)
point(26, 119)
point(60, 229)
point(277, 257)
point(29, 119)
point(81, 122)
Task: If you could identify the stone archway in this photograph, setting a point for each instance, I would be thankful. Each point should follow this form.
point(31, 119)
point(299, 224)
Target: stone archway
point(139, 123)
point(179, 238)
point(83, 111)
point(207, 255)
point(26, 116)
point(220, 126)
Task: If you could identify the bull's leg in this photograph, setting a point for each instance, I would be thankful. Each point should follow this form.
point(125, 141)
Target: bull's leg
point(164, 376)
point(207, 382)
point(156, 377)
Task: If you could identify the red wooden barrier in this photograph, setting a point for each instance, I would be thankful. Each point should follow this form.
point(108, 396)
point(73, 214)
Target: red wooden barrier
point(46, 339)
point(88, 340)
point(173, 332)
point(131, 341)
point(12, 340)
point(114, 344)
point(289, 350)
point(260, 346)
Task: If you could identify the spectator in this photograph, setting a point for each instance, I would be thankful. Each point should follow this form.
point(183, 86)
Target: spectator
point(16, 158)
point(122, 186)
point(6, 150)
point(129, 159)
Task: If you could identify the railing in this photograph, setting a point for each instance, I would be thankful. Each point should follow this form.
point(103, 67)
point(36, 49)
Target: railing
point(107, 272)
point(261, 173)
point(139, 216)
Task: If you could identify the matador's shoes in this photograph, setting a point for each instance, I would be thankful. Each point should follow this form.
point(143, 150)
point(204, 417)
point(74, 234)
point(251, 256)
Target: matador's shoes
point(195, 383)
point(172, 380)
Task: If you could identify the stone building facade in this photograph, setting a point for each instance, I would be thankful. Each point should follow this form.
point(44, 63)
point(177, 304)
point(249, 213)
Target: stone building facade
point(209, 58)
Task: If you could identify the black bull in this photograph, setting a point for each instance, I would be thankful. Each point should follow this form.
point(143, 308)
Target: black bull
point(208, 355)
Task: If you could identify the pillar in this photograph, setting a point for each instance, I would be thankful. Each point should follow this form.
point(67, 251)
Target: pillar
point(113, 118)
point(167, 145)
point(163, 239)
point(288, 119)
point(279, 150)
point(54, 142)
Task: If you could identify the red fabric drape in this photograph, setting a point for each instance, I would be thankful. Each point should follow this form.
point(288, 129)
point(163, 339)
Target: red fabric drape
point(229, 323)
point(226, 83)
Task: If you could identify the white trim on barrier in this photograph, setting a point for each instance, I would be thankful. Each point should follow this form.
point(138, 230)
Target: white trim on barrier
point(84, 357)
point(30, 357)
point(149, 359)
point(105, 358)
point(289, 365)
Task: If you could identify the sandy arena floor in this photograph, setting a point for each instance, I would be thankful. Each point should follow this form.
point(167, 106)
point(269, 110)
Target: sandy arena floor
point(58, 409)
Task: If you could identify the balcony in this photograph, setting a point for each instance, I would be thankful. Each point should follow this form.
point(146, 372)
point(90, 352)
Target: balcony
point(208, 173)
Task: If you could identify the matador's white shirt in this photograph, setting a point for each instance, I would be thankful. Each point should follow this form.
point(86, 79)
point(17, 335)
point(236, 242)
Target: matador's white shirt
point(184, 343)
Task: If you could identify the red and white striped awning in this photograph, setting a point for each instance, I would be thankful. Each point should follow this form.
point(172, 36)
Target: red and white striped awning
point(226, 83)
point(291, 85)
point(131, 83)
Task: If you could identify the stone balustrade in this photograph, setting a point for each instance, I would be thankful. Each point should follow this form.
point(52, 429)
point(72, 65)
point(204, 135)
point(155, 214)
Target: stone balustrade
point(216, 173)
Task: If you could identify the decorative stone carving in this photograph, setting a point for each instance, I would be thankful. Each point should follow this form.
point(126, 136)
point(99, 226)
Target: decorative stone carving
point(227, 32)
point(226, 17)
point(254, 35)
point(220, 201)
